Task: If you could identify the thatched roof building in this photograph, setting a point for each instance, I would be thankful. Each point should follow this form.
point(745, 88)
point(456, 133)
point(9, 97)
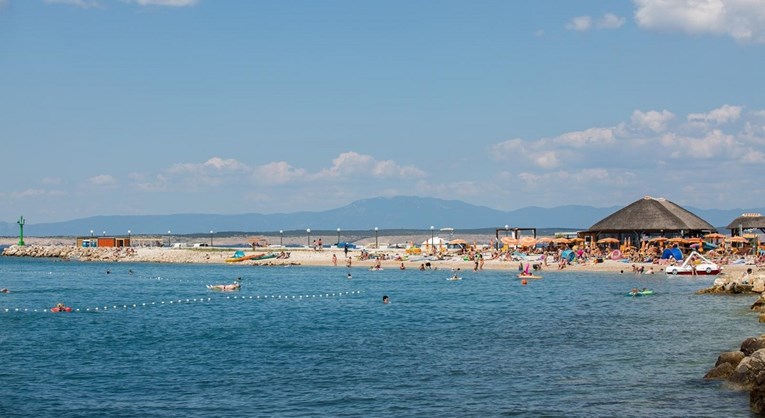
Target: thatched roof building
point(652, 215)
point(747, 221)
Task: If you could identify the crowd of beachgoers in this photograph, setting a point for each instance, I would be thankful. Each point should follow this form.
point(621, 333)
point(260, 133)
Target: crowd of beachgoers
point(555, 255)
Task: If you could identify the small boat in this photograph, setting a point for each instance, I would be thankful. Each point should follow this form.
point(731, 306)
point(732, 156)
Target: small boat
point(644, 292)
point(224, 287)
point(695, 264)
point(239, 257)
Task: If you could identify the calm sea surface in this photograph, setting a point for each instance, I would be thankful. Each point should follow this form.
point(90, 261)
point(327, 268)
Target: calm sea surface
point(310, 342)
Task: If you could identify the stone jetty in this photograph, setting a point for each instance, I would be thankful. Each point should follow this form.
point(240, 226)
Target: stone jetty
point(744, 369)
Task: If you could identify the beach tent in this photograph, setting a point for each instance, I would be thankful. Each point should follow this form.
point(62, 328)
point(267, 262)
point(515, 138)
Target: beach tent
point(238, 254)
point(672, 252)
point(434, 241)
point(568, 255)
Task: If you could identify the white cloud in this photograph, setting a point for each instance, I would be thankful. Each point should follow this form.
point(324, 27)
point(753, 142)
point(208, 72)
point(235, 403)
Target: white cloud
point(355, 164)
point(585, 23)
point(278, 172)
point(743, 20)
point(28, 193)
point(753, 156)
point(714, 144)
point(721, 115)
point(610, 21)
point(103, 180)
point(580, 23)
point(587, 137)
point(215, 165)
point(170, 3)
point(85, 4)
point(548, 159)
point(651, 120)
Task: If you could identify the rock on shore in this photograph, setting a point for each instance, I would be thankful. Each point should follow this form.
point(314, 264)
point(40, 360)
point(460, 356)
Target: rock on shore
point(744, 369)
point(745, 284)
point(133, 254)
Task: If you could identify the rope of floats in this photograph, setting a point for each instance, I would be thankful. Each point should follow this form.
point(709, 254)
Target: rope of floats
point(114, 307)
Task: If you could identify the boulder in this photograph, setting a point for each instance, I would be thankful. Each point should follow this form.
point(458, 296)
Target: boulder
point(758, 284)
point(759, 304)
point(720, 372)
point(720, 282)
point(748, 370)
point(750, 345)
point(730, 357)
point(742, 374)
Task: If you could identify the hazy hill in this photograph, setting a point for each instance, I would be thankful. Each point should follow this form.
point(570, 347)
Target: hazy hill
point(401, 212)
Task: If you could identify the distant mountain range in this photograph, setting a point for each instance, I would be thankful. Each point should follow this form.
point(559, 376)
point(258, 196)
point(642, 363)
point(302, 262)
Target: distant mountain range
point(402, 212)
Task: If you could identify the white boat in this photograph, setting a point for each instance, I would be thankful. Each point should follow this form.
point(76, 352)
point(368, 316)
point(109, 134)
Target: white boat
point(704, 267)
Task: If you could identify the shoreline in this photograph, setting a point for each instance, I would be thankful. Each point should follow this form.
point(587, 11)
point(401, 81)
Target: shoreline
point(313, 258)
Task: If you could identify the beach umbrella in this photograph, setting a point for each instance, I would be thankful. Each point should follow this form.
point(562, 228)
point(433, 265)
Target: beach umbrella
point(509, 241)
point(458, 242)
point(528, 242)
point(676, 240)
point(657, 239)
point(736, 239)
point(561, 241)
point(714, 235)
point(608, 241)
point(693, 241)
point(545, 240)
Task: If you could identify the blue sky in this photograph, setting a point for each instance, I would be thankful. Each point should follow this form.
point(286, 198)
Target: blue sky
point(179, 106)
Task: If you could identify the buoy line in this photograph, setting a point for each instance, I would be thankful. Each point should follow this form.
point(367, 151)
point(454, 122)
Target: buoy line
point(182, 301)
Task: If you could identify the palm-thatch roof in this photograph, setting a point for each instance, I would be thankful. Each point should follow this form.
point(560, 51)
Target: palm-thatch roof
point(652, 214)
point(748, 221)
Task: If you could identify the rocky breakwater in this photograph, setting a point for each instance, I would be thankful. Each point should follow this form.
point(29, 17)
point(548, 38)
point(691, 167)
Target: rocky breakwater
point(746, 283)
point(67, 252)
point(744, 369)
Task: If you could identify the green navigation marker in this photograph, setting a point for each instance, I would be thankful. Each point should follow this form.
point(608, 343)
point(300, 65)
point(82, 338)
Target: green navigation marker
point(21, 231)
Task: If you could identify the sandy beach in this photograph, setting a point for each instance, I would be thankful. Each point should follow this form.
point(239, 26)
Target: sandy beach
point(394, 258)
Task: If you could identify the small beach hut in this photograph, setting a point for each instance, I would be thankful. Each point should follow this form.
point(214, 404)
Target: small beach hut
point(747, 221)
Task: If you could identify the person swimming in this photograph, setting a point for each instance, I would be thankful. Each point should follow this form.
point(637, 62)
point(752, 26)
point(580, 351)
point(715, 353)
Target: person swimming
point(386, 299)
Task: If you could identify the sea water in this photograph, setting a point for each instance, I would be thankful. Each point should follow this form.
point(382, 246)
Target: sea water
point(309, 341)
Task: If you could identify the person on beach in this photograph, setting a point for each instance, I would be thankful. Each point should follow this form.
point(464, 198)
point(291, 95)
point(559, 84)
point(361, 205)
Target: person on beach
point(402, 267)
point(346, 250)
point(422, 267)
point(334, 260)
point(348, 262)
point(746, 277)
